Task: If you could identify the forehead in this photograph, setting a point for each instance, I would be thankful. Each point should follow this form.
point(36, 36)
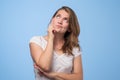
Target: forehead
point(63, 13)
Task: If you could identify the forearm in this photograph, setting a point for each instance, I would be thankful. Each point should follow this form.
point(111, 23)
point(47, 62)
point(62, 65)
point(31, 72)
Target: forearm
point(65, 76)
point(45, 59)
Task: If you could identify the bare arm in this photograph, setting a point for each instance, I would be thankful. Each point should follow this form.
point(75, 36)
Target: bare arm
point(43, 58)
point(76, 75)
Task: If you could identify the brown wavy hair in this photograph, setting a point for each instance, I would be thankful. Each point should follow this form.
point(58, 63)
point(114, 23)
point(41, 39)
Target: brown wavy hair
point(71, 37)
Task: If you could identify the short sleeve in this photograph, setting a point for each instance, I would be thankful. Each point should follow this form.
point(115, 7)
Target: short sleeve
point(36, 40)
point(76, 52)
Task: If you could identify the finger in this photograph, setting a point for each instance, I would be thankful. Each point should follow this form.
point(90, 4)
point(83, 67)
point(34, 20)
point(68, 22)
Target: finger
point(40, 73)
point(37, 67)
point(51, 24)
point(50, 27)
point(34, 64)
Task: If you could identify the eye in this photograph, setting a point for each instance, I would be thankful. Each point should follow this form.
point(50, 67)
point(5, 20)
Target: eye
point(66, 20)
point(57, 16)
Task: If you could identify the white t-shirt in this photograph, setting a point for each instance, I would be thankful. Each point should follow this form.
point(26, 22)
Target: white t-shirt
point(60, 63)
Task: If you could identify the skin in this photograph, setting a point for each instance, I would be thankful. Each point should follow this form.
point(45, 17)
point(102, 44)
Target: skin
point(56, 30)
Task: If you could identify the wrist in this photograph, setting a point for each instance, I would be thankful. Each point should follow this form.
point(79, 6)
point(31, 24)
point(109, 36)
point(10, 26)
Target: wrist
point(56, 76)
point(50, 38)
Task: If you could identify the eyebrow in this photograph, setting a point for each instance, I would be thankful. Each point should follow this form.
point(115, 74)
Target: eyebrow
point(60, 15)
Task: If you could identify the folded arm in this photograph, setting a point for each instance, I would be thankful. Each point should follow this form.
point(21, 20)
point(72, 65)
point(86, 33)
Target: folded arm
point(42, 58)
point(77, 73)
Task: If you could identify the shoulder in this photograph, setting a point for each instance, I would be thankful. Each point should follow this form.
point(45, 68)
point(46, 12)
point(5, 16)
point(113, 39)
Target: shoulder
point(76, 51)
point(36, 39)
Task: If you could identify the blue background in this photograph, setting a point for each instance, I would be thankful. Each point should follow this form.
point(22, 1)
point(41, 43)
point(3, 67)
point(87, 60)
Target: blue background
point(99, 38)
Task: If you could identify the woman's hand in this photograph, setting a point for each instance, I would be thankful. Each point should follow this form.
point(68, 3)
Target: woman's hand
point(52, 75)
point(40, 70)
point(51, 31)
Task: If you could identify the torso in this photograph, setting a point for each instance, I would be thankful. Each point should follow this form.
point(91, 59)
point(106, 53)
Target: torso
point(61, 61)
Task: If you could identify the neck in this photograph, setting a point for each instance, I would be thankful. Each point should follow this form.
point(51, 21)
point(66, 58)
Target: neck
point(58, 41)
point(58, 38)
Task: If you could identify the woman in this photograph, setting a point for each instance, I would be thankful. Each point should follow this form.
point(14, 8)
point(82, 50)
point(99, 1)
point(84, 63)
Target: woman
point(57, 56)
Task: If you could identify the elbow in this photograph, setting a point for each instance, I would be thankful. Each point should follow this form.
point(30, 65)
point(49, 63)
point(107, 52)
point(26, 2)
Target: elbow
point(79, 77)
point(47, 69)
point(43, 67)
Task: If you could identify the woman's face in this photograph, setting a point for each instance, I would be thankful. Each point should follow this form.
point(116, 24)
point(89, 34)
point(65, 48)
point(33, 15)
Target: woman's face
point(61, 21)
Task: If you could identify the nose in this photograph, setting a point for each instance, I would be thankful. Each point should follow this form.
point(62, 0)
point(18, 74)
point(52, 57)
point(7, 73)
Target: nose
point(60, 21)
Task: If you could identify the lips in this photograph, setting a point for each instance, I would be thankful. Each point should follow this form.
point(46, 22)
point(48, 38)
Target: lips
point(59, 26)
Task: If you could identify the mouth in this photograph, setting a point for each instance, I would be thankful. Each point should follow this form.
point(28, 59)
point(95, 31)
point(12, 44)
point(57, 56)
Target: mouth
point(58, 26)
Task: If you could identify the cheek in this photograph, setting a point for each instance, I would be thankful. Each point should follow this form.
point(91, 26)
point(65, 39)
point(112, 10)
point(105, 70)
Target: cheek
point(53, 22)
point(66, 26)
